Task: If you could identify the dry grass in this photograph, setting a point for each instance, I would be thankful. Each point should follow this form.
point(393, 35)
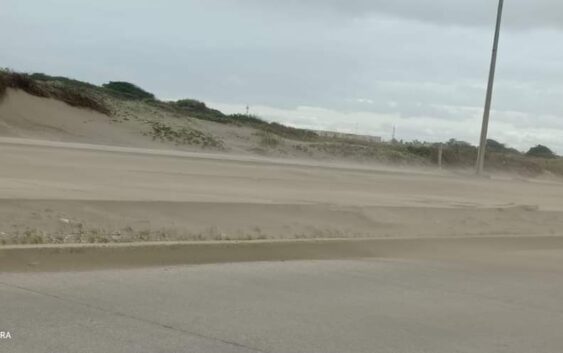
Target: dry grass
point(9, 79)
point(456, 154)
point(72, 97)
point(184, 136)
point(269, 140)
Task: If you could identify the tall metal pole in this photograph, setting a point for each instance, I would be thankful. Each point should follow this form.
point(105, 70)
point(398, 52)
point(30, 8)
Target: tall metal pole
point(485, 127)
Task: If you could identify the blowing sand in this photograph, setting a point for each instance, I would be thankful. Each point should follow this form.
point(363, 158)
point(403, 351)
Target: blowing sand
point(78, 187)
point(74, 193)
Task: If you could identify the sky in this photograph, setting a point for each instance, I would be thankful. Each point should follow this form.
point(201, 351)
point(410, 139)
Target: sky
point(360, 66)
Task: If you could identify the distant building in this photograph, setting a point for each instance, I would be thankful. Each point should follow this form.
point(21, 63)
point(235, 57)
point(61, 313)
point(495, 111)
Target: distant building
point(343, 135)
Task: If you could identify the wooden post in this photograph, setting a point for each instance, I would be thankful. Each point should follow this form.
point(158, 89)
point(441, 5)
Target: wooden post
point(440, 153)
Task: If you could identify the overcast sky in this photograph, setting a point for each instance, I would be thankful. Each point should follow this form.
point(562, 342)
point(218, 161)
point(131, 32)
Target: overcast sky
point(347, 65)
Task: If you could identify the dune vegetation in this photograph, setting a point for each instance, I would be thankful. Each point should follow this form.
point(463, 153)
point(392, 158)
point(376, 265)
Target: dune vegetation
point(117, 100)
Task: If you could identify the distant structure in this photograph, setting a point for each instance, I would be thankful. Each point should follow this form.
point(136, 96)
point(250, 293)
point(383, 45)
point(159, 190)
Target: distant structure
point(343, 135)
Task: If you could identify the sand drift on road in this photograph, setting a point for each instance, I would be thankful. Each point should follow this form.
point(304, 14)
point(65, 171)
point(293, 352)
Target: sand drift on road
point(71, 193)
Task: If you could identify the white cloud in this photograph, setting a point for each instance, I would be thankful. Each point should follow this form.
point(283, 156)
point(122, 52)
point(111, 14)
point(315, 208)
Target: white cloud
point(368, 64)
point(518, 13)
point(364, 100)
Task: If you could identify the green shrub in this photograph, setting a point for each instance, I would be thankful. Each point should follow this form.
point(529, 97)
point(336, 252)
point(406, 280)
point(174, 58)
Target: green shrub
point(199, 110)
point(495, 146)
point(459, 154)
point(541, 151)
point(421, 151)
point(127, 90)
point(192, 104)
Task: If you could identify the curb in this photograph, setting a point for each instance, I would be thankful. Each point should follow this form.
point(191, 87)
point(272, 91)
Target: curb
point(53, 258)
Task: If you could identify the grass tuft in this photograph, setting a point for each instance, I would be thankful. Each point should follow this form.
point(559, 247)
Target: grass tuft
point(269, 140)
point(45, 89)
point(184, 136)
point(24, 82)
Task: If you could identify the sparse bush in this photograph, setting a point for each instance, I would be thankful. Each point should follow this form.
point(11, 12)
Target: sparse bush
point(455, 153)
point(69, 82)
point(274, 128)
point(458, 143)
point(268, 139)
point(184, 136)
point(514, 163)
point(541, 151)
point(21, 81)
point(31, 236)
point(199, 110)
point(459, 154)
point(79, 99)
point(554, 166)
point(192, 104)
point(3, 86)
point(495, 146)
point(368, 151)
point(70, 95)
point(422, 151)
point(127, 90)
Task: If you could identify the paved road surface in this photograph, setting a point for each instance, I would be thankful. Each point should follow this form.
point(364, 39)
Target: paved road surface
point(509, 304)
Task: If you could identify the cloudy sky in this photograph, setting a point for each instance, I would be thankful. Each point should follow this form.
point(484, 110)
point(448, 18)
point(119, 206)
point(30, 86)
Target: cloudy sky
point(347, 65)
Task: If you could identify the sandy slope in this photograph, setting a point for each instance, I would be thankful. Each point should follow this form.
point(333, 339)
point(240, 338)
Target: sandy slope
point(26, 116)
point(73, 193)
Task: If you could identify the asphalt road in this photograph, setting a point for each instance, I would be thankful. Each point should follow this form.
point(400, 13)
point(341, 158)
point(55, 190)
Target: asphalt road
point(510, 303)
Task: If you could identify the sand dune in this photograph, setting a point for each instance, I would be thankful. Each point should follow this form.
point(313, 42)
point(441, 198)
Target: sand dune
point(73, 175)
point(27, 116)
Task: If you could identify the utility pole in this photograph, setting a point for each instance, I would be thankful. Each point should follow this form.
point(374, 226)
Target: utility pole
point(485, 127)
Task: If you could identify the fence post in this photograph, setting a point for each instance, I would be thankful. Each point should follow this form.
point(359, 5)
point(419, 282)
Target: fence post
point(440, 153)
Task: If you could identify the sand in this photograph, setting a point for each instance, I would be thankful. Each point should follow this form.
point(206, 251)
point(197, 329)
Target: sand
point(68, 191)
point(77, 194)
point(26, 116)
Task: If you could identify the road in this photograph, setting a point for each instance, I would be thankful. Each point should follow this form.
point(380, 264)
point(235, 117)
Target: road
point(43, 170)
point(510, 303)
point(479, 301)
point(58, 192)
